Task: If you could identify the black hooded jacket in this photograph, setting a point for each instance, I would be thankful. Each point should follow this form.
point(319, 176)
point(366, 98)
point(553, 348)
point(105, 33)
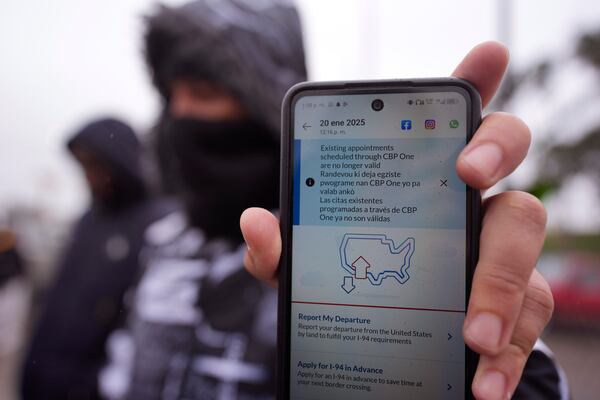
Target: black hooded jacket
point(202, 327)
point(100, 262)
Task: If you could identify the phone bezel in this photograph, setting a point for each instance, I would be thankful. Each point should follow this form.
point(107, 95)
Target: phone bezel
point(473, 197)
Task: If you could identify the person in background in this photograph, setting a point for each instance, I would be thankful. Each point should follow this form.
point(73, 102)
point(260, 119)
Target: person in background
point(11, 264)
point(14, 302)
point(100, 262)
point(201, 326)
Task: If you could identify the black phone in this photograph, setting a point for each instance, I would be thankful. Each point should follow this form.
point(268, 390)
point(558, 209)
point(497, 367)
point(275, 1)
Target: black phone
point(380, 240)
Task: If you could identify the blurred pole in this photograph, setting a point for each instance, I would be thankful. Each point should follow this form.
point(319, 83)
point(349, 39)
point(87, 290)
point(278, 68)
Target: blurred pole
point(504, 9)
point(504, 27)
point(370, 36)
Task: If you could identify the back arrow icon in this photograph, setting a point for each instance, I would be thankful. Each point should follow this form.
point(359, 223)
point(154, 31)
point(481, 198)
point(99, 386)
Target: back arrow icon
point(306, 126)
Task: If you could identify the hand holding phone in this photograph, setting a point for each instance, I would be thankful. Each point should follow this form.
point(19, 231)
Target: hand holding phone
point(504, 289)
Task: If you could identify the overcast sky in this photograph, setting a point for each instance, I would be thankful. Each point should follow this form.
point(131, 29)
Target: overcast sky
point(66, 61)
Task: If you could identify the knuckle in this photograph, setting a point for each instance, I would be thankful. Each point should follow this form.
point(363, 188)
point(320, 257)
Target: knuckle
point(526, 208)
point(520, 348)
point(504, 279)
point(539, 300)
point(521, 128)
point(514, 129)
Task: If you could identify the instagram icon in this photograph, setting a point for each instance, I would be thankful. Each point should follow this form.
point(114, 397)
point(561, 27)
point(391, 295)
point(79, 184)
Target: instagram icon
point(430, 124)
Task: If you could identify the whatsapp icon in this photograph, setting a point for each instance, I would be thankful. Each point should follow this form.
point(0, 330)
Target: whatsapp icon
point(454, 124)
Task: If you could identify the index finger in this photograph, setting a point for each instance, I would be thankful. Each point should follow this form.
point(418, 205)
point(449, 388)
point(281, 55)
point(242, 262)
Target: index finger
point(484, 67)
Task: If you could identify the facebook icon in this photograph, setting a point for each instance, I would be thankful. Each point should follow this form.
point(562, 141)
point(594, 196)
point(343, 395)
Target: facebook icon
point(406, 125)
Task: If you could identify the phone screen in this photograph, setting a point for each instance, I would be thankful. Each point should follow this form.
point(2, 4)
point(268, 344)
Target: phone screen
point(379, 263)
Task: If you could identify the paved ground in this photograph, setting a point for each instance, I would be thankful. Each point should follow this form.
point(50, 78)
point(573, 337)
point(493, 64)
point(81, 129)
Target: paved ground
point(578, 351)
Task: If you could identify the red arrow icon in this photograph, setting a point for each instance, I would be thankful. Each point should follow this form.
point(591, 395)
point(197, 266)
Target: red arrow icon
point(360, 268)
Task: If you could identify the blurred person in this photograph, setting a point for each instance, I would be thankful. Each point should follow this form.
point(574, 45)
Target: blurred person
point(14, 301)
point(201, 326)
point(11, 263)
point(100, 262)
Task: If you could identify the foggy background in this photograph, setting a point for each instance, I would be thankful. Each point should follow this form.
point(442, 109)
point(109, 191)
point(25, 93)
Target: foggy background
point(66, 61)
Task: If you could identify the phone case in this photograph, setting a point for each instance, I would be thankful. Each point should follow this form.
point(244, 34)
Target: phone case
point(286, 182)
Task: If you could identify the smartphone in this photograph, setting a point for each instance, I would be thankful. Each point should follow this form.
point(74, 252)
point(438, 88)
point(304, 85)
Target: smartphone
point(380, 240)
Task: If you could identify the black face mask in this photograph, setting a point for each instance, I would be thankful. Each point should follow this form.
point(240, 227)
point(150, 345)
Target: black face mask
point(222, 168)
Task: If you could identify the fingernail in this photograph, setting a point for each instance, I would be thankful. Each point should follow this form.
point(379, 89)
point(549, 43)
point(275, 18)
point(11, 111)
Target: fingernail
point(485, 329)
point(492, 385)
point(248, 247)
point(485, 158)
point(250, 261)
point(245, 239)
point(249, 250)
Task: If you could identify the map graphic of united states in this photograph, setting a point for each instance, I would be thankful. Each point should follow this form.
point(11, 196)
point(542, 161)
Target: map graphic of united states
point(374, 258)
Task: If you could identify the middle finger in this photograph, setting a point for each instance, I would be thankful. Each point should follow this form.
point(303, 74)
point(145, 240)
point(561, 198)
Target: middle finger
point(511, 240)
